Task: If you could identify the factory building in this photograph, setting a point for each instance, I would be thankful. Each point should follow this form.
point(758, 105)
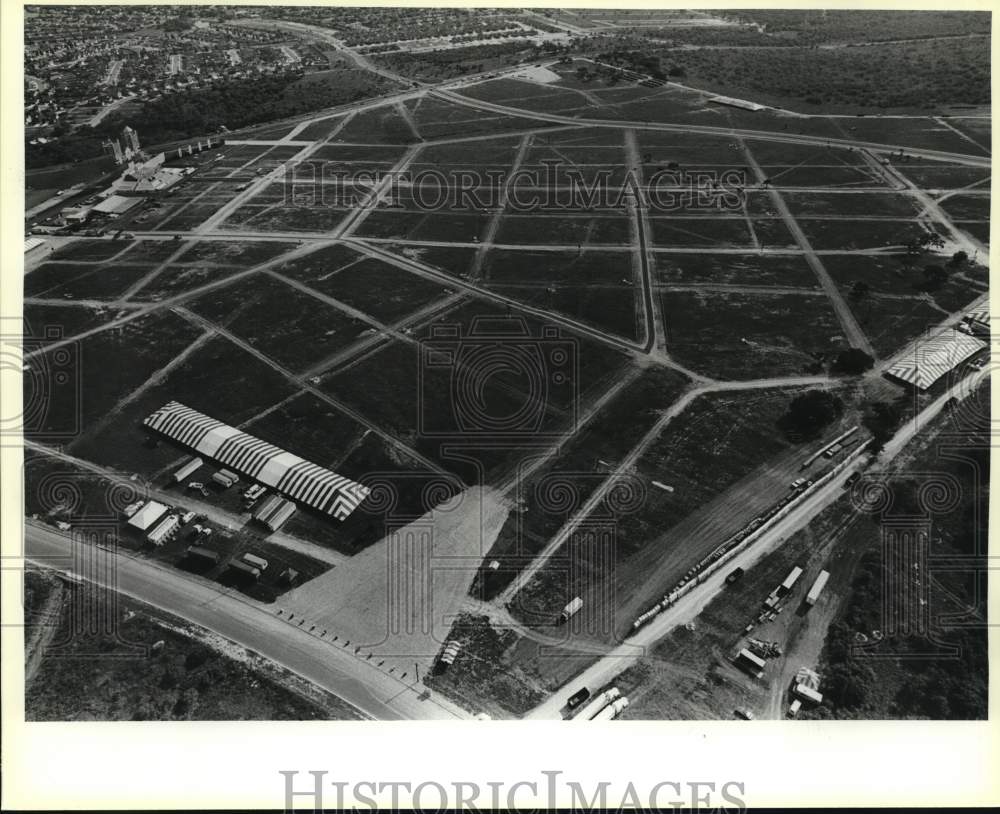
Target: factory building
point(265, 463)
point(164, 530)
point(928, 360)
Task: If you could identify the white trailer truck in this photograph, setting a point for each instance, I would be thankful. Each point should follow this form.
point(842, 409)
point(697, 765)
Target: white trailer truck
point(597, 704)
point(611, 711)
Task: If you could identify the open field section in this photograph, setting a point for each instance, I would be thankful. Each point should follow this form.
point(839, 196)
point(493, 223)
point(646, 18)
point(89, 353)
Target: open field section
point(721, 460)
point(93, 250)
point(532, 96)
point(845, 235)
point(208, 262)
point(899, 276)
point(375, 290)
point(284, 323)
point(472, 395)
point(550, 496)
point(379, 125)
point(918, 132)
point(869, 204)
point(968, 207)
point(941, 175)
point(611, 229)
point(433, 226)
point(610, 308)
point(542, 268)
point(891, 322)
point(78, 281)
point(99, 370)
point(454, 260)
point(360, 154)
point(734, 269)
point(437, 119)
point(48, 323)
point(217, 378)
point(731, 335)
point(729, 231)
point(192, 675)
point(320, 129)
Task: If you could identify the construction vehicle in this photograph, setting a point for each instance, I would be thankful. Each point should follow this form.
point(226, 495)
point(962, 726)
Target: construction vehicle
point(597, 704)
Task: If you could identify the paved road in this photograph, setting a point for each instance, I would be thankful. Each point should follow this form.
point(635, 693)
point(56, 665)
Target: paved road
point(769, 135)
point(248, 623)
point(688, 607)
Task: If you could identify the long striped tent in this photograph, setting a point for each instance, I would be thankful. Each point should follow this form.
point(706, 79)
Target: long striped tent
point(295, 477)
point(927, 360)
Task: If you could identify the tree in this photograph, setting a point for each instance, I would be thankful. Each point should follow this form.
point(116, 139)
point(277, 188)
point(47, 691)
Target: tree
point(934, 277)
point(809, 414)
point(881, 421)
point(959, 258)
point(852, 362)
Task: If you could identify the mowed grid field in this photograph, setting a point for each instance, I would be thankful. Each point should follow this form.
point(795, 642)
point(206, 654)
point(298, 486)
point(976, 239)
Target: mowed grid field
point(347, 331)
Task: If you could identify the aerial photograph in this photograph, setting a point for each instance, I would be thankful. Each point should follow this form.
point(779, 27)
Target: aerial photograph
point(388, 363)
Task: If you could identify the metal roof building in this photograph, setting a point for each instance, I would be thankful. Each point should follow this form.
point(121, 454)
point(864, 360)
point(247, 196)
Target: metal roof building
point(147, 515)
point(297, 478)
point(928, 360)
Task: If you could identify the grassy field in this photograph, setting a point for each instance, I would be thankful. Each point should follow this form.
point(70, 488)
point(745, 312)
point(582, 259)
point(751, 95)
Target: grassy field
point(729, 269)
point(745, 336)
point(154, 667)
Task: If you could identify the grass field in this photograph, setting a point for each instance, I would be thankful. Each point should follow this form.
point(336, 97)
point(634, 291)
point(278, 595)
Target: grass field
point(742, 336)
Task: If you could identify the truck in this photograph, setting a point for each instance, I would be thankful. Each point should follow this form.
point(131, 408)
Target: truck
point(817, 588)
point(571, 609)
point(789, 583)
point(596, 705)
point(612, 710)
point(578, 698)
point(734, 575)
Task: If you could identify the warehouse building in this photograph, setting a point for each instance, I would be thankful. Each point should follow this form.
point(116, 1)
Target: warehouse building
point(927, 360)
point(115, 206)
point(146, 516)
point(289, 474)
point(187, 470)
point(274, 512)
point(164, 530)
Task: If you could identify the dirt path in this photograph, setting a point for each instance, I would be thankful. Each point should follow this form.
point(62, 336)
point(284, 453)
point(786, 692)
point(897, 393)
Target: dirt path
point(42, 631)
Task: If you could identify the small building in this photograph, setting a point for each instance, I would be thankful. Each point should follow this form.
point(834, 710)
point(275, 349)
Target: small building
point(187, 470)
point(807, 693)
point(274, 512)
point(817, 588)
point(751, 663)
point(978, 321)
point(75, 215)
point(32, 243)
point(245, 569)
point(225, 478)
point(254, 560)
point(203, 553)
point(114, 206)
point(164, 530)
point(145, 517)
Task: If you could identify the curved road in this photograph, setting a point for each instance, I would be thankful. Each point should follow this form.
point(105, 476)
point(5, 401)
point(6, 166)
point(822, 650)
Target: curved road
point(251, 624)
